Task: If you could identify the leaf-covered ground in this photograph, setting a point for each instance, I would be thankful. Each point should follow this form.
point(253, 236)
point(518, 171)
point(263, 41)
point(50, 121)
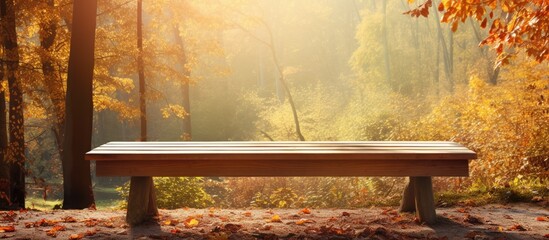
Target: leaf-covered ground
point(516, 221)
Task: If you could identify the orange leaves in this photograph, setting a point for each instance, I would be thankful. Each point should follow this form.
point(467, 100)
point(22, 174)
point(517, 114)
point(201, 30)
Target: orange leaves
point(305, 211)
point(76, 236)
point(53, 231)
point(516, 227)
point(483, 24)
point(303, 221)
point(7, 229)
point(519, 24)
point(422, 10)
point(542, 219)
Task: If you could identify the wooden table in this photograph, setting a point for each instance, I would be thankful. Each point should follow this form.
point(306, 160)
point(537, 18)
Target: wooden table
point(417, 160)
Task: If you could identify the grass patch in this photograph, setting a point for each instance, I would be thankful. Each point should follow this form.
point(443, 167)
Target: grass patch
point(105, 198)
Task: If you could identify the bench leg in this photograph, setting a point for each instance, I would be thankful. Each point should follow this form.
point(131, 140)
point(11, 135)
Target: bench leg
point(142, 201)
point(408, 202)
point(418, 197)
point(425, 202)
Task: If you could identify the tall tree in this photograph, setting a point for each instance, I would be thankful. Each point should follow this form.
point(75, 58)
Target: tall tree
point(5, 201)
point(141, 72)
point(186, 103)
point(141, 186)
point(16, 149)
point(79, 107)
point(53, 82)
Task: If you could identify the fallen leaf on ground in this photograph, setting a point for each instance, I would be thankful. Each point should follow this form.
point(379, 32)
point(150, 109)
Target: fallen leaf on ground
point(516, 227)
point(275, 218)
point(75, 236)
point(44, 223)
point(305, 211)
point(90, 222)
point(303, 221)
point(53, 232)
point(190, 223)
point(472, 219)
point(175, 231)
point(248, 214)
point(69, 219)
point(541, 219)
point(7, 229)
point(171, 222)
point(91, 232)
point(345, 214)
point(108, 224)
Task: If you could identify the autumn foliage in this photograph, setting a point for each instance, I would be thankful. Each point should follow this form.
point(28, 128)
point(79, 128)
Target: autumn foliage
point(512, 24)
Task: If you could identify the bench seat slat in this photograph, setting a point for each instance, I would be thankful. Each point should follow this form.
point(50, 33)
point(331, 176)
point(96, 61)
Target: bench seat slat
point(152, 156)
point(284, 143)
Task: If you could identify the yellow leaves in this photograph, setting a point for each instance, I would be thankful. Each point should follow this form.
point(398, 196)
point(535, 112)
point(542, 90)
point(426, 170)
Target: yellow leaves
point(174, 109)
point(190, 223)
point(275, 218)
point(170, 222)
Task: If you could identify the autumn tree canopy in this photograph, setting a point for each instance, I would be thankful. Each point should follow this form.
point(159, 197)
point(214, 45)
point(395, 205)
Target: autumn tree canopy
point(513, 24)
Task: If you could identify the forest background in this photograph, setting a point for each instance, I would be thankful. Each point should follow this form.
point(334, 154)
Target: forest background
point(261, 70)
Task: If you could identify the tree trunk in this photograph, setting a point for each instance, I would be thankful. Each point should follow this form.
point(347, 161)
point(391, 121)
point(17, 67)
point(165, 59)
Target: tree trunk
point(5, 201)
point(493, 73)
point(447, 58)
point(77, 183)
point(52, 81)
point(385, 41)
point(16, 152)
point(141, 72)
point(186, 101)
point(141, 188)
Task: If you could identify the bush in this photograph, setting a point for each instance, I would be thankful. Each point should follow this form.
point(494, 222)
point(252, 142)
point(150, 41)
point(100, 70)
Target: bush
point(176, 192)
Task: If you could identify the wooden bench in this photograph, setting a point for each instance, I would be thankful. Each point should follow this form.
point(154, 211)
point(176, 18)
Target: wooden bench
point(417, 160)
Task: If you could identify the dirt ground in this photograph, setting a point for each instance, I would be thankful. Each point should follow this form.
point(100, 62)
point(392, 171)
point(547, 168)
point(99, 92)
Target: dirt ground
point(515, 221)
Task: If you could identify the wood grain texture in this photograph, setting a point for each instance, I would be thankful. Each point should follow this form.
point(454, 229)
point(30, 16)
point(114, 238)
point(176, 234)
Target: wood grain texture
point(378, 158)
point(334, 151)
point(425, 201)
point(261, 167)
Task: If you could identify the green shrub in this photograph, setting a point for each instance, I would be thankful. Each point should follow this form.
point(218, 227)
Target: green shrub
point(175, 192)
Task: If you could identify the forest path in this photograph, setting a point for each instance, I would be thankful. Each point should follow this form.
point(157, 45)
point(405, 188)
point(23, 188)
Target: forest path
point(513, 221)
